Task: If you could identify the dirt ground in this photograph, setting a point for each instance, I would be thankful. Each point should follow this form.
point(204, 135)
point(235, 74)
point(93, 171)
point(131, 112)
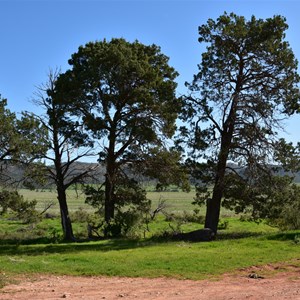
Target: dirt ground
point(253, 283)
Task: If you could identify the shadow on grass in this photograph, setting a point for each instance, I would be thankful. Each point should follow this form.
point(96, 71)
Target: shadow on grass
point(281, 236)
point(37, 247)
point(237, 235)
point(46, 246)
point(284, 236)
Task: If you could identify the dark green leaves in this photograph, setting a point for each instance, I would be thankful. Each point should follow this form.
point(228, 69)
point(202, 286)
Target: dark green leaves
point(246, 84)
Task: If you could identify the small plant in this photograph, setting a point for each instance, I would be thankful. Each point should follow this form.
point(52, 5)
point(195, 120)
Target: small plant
point(297, 239)
point(55, 235)
point(223, 224)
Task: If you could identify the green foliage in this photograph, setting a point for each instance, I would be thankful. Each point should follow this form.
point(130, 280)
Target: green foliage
point(131, 205)
point(125, 224)
point(223, 224)
point(23, 210)
point(21, 139)
point(273, 198)
point(165, 167)
point(8, 130)
point(289, 218)
point(288, 155)
point(186, 217)
point(247, 82)
point(127, 192)
point(21, 142)
point(132, 78)
point(80, 215)
point(95, 196)
point(297, 239)
point(125, 95)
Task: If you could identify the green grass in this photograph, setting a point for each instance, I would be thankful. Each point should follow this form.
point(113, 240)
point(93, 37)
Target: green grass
point(44, 197)
point(35, 248)
point(148, 258)
point(241, 244)
point(176, 201)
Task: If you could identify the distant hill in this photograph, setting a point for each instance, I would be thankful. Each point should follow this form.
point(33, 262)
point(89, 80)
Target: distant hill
point(13, 174)
point(279, 172)
point(16, 172)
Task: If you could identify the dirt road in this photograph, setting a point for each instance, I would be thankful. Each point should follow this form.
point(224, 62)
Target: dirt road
point(244, 284)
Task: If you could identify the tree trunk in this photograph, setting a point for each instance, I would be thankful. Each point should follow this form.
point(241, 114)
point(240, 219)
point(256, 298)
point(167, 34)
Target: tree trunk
point(110, 178)
point(64, 214)
point(214, 204)
point(109, 209)
point(60, 186)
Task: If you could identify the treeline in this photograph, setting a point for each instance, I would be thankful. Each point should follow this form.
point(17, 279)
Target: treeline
point(117, 104)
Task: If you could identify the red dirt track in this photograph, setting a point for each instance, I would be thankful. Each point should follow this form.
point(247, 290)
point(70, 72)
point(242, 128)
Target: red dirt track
point(278, 285)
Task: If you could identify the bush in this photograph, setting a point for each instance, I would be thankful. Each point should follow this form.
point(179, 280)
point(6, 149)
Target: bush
point(186, 217)
point(80, 216)
point(23, 210)
point(223, 224)
point(288, 217)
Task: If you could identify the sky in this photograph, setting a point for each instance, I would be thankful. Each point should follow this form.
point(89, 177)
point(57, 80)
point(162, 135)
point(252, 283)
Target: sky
point(39, 35)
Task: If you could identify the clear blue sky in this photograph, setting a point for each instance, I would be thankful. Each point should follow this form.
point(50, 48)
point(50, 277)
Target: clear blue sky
point(39, 35)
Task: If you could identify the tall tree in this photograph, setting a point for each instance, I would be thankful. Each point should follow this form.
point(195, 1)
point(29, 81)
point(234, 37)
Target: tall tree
point(125, 93)
point(67, 143)
point(247, 82)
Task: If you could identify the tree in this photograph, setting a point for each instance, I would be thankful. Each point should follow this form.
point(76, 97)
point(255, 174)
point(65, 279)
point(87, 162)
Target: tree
point(7, 130)
point(21, 140)
point(125, 93)
point(67, 144)
point(247, 82)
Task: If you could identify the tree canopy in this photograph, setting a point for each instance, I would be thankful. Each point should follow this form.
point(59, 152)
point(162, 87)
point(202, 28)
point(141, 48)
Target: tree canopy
point(247, 82)
point(21, 139)
point(125, 94)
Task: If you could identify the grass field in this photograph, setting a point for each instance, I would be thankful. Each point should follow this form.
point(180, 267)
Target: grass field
point(148, 258)
point(176, 201)
point(36, 248)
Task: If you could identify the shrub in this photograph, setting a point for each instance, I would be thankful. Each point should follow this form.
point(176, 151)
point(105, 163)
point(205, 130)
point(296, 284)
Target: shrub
point(80, 216)
point(23, 210)
point(186, 217)
point(288, 217)
point(223, 224)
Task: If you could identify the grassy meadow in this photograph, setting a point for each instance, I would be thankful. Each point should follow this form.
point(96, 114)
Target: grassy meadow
point(176, 201)
point(36, 248)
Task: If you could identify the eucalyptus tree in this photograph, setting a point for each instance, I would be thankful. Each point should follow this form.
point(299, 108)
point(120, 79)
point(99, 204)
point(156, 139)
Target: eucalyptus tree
point(125, 94)
point(67, 143)
point(246, 84)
